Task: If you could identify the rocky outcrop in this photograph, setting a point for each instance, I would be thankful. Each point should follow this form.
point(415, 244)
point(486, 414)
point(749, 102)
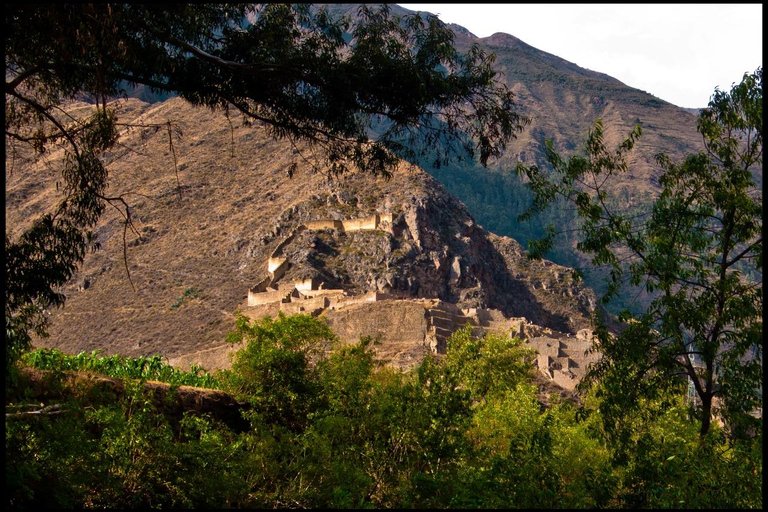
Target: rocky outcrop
point(431, 248)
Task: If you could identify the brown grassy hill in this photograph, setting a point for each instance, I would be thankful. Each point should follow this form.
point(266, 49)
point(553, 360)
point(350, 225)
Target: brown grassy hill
point(211, 203)
point(564, 99)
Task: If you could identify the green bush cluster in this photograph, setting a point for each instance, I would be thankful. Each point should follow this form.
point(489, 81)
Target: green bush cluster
point(189, 294)
point(336, 429)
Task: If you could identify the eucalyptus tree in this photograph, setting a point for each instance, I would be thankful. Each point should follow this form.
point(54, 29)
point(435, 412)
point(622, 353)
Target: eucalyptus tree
point(697, 251)
point(360, 90)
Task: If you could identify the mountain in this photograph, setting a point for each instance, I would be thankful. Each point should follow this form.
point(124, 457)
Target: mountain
point(213, 203)
point(213, 206)
point(563, 100)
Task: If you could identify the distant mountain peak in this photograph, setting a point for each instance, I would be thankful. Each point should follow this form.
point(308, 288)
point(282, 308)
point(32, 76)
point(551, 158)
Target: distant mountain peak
point(458, 29)
point(502, 39)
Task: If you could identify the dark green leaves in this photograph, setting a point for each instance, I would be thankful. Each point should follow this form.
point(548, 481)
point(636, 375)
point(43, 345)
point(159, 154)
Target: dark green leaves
point(464, 431)
point(698, 253)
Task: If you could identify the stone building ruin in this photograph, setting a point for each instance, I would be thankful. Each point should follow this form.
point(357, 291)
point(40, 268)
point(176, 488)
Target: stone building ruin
point(309, 293)
point(561, 357)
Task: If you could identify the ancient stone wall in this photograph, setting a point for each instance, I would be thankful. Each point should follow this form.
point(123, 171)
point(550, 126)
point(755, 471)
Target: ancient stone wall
point(274, 263)
point(324, 224)
point(565, 380)
point(543, 362)
point(400, 324)
point(262, 285)
point(360, 299)
point(312, 306)
point(308, 294)
point(305, 284)
point(257, 299)
point(365, 223)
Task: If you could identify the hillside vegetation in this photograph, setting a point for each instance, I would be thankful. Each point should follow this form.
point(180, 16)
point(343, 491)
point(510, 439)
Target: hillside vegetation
point(338, 431)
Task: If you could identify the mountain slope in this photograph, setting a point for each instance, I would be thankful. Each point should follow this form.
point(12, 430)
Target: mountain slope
point(211, 205)
point(563, 100)
point(211, 208)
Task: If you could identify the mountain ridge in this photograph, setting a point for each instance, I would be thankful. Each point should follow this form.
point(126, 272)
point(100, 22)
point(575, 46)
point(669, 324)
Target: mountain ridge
point(563, 101)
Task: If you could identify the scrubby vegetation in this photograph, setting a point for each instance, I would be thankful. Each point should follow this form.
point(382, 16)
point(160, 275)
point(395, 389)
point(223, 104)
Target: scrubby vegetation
point(336, 429)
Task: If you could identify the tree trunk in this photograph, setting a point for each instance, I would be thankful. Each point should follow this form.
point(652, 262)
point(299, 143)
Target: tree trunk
point(706, 414)
point(171, 401)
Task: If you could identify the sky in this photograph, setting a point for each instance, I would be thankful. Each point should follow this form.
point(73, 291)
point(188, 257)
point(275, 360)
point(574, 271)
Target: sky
point(676, 52)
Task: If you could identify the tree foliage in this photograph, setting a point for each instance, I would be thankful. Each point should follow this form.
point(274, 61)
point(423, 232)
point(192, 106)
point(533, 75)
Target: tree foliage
point(464, 431)
point(698, 251)
point(359, 92)
point(273, 369)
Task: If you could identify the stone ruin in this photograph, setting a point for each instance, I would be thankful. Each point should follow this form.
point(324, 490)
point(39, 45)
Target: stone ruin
point(561, 357)
point(308, 294)
point(564, 359)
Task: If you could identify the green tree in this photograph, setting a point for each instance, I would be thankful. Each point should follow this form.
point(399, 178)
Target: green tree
point(488, 365)
point(98, 450)
point(360, 92)
point(273, 370)
point(699, 251)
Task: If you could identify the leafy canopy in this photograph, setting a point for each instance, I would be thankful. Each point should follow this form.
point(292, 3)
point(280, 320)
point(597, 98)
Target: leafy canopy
point(465, 431)
point(698, 252)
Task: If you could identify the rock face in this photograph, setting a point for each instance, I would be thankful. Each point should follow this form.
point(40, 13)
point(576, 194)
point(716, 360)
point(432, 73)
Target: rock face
point(224, 216)
point(432, 248)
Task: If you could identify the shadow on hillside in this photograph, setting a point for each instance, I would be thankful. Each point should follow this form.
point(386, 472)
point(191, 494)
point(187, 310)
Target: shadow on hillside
point(513, 296)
